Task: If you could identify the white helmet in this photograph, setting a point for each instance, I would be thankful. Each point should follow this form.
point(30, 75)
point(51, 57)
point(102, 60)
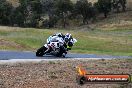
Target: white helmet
point(68, 36)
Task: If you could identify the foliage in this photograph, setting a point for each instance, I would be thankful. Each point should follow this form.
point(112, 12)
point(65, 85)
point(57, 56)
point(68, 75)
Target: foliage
point(54, 13)
point(64, 9)
point(103, 6)
point(117, 4)
point(85, 9)
point(5, 11)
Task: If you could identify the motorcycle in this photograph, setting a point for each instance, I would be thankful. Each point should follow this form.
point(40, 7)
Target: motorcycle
point(54, 46)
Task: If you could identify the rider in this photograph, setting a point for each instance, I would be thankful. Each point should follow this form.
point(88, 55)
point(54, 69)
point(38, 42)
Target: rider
point(68, 41)
point(60, 35)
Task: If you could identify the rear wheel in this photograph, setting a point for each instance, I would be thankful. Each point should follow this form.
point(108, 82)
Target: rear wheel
point(40, 51)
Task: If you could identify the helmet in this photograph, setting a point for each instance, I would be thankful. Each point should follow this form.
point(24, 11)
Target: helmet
point(68, 37)
point(58, 34)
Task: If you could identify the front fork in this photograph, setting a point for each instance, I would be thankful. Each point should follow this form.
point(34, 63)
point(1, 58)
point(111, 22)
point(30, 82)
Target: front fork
point(48, 49)
point(64, 49)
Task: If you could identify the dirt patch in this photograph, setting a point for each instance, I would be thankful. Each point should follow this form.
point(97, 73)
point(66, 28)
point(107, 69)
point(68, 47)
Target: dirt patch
point(121, 20)
point(60, 74)
point(15, 3)
point(11, 44)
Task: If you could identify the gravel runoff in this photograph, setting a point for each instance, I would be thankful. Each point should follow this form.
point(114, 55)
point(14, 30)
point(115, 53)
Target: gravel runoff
point(60, 73)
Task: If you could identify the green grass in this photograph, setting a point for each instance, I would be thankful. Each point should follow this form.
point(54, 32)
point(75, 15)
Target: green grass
point(115, 42)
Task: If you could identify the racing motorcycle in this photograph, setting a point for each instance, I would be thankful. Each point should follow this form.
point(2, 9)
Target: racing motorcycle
point(54, 46)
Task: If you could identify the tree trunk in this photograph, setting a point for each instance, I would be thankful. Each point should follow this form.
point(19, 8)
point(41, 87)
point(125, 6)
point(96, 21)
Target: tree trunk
point(64, 19)
point(64, 22)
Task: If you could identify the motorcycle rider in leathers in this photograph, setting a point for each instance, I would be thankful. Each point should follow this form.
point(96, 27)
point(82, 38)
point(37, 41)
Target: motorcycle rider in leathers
point(66, 40)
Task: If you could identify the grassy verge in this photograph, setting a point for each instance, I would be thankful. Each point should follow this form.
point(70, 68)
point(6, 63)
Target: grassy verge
point(114, 42)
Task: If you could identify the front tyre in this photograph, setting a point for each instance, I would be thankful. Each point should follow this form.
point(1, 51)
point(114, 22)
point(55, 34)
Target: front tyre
point(62, 52)
point(40, 51)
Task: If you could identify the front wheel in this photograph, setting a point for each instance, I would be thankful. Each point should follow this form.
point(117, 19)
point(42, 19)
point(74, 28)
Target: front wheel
point(40, 51)
point(62, 52)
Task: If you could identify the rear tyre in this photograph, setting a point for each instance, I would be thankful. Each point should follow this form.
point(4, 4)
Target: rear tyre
point(40, 51)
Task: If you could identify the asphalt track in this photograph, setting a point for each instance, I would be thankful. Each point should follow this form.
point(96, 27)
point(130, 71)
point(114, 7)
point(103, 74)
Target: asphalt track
point(8, 55)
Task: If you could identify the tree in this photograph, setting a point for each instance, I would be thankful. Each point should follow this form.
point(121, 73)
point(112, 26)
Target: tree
point(63, 10)
point(20, 13)
point(103, 6)
point(85, 9)
point(5, 10)
point(123, 4)
point(49, 9)
point(117, 4)
point(17, 17)
point(35, 9)
point(28, 13)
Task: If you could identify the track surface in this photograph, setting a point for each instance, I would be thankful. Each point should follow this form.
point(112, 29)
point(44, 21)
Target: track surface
point(7, 55)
